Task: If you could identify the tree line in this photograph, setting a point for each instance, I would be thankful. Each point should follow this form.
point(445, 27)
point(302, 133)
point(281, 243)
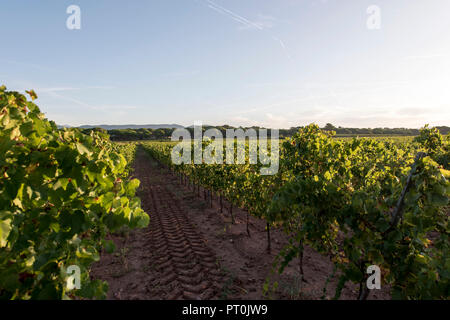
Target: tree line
point(166, 133)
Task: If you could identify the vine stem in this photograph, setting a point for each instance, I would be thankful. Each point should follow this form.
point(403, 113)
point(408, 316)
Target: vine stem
point(300, 262)
point(248, 230)
point(210, 199)
point(399, 208)
point(231, 213)
point(363, 290)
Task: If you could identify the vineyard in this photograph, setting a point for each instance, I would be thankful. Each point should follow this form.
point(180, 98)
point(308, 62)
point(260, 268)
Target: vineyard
point(360, 202)
point(357, 202)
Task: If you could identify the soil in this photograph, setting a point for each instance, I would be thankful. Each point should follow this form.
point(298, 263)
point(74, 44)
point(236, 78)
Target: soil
point(191, 250)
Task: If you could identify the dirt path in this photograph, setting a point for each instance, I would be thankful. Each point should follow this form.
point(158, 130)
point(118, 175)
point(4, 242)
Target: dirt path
point(187, 267)
point(192, 251)
point(167, 260)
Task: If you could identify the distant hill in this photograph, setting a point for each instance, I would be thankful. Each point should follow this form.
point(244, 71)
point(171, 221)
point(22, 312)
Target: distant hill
point(63, 126)
point(133, 126)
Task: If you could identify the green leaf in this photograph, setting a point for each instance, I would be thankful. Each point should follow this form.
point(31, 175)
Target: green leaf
point(61, 183)
point(439, 200)
point(5, 229)
point(32, 94)
point(110, 247)
point(132, 186)
point(82, 149)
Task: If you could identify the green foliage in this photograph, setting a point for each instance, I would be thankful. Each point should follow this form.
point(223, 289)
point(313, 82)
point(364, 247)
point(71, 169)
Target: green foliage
point(339, 196)
point(60, 192)
point(436, 145)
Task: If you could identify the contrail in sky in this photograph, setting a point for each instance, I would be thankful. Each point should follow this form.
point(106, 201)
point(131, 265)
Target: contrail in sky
point(233, 15)
point(244, 21)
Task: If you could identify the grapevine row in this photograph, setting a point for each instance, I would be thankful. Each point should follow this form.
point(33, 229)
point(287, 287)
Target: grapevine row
point(340, 197)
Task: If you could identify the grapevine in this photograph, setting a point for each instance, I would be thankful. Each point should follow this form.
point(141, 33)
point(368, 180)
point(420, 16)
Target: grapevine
point(61, 192)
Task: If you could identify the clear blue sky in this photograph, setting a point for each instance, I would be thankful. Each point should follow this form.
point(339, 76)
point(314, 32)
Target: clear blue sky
point(275, 63)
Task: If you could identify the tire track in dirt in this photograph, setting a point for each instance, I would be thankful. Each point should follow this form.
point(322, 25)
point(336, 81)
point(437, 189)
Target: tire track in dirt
point(193, 251)
point(186, 267)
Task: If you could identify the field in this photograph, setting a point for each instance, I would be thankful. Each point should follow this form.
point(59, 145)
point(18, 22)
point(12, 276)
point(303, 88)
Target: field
point(212, 257)
point(224, 211)
point(139, 226)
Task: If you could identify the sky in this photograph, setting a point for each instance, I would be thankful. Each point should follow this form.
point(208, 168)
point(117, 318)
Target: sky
point(271, 63)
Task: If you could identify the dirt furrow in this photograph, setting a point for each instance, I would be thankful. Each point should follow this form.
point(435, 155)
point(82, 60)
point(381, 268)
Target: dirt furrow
point(191, 250)
point(167, 260)
point(185, 262)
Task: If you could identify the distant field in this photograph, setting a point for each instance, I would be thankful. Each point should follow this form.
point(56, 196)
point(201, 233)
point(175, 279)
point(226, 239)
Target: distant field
point(399, 139)
point(395, 138)
point(351, 135)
